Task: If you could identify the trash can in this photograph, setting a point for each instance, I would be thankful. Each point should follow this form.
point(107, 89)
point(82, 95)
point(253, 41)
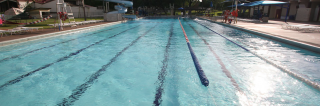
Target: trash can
point(265, 19)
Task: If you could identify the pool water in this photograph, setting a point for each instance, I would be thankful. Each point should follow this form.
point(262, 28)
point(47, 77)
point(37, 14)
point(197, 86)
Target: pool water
point(147, 62)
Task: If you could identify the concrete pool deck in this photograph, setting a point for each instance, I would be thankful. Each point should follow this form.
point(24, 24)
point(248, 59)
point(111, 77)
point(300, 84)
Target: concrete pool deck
point(46, 33)
point(273, 28)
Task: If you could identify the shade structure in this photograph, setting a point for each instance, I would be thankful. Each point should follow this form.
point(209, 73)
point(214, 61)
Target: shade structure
point(12, 12)
point(256, 3)
point(239, 5)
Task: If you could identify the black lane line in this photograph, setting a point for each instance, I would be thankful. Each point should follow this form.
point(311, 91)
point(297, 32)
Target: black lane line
point(19, 55)
point(76, 93)
point(222, 36)
point(162, 74)
point(223, 67)
point(18, 79)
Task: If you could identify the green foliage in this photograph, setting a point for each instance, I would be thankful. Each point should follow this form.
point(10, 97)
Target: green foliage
point(94, 3)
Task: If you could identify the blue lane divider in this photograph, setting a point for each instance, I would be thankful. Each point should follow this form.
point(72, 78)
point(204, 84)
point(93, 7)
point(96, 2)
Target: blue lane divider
point(76, 93)
point(202, 75)
point(18, 79)
point(204, 80)
point(19, 55)
point(223, 67)
point(293, 74)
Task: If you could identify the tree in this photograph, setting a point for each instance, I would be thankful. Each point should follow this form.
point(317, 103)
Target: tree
point(216, 2)
point(84, 10)
point(190, 2)
point(8, 4)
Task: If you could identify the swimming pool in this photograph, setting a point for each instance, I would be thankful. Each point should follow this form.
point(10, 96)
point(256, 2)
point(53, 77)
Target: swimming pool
point(145, 62)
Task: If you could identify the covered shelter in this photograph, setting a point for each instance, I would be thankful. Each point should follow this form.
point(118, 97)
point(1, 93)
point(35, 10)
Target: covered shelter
point(12, 12)
point(265, 3)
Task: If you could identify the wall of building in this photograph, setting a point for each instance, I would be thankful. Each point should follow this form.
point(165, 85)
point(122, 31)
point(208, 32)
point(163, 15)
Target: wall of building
point(293, 8)
point(265, 9)
point(284, 10)
point(272, 14)
point(303, 13)
point(90, 12)
point(76, 10)
point(35, 14)
point(316, 13)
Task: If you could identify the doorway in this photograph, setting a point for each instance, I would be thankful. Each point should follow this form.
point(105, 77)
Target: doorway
point(278, 13)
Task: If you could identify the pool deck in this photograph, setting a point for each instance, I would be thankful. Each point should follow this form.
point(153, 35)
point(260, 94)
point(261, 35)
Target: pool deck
point(273, 30)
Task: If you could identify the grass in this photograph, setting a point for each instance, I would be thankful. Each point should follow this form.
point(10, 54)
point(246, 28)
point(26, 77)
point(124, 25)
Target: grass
point(42, 24)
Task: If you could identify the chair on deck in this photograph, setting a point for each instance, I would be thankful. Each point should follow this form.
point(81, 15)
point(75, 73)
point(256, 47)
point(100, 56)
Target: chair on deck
point(32, 28)
point(16, 30)
point(308, 28)
point(293, 27)
point(3, 32)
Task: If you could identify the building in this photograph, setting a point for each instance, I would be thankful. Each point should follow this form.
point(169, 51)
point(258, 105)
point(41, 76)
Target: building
point(299, 10)
point(38, 8)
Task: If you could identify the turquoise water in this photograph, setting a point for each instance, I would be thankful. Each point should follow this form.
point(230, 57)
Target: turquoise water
point(122, 65)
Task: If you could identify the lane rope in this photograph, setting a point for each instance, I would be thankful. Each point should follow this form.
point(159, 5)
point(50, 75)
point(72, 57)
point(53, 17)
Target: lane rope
point(223, 67)
point(203, 78)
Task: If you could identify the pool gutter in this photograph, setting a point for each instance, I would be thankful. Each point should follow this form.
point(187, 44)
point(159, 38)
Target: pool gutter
point(301, 44)
point(55, 34)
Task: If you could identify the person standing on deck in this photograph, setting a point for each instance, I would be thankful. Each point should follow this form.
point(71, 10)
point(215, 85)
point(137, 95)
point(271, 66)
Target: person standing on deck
point(226, 15)
point(235, 15)
point(1, 16)
point(0, 21)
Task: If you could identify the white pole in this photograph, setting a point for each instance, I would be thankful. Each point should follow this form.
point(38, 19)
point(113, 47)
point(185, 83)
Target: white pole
point(236, 3)
point(58, 10)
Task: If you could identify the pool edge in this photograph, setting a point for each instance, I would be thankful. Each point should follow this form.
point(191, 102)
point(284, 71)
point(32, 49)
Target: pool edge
point(314, 48)
point(54, 34)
